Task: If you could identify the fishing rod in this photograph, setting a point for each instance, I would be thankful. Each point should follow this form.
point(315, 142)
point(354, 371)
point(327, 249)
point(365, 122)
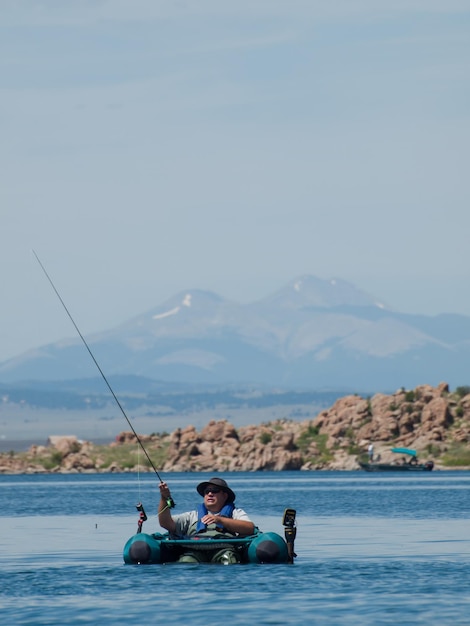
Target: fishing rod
point(170, 501)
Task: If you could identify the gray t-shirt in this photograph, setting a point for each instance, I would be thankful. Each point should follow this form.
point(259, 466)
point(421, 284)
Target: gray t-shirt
point(186, 523)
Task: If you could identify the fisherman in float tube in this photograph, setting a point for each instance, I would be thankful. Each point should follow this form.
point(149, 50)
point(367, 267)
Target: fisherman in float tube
point(216, 516)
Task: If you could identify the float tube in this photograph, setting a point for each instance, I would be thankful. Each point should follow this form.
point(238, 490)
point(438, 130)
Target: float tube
point(261, 547)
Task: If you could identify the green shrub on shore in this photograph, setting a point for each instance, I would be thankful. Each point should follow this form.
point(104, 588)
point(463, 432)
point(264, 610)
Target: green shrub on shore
point(128, 455)
point(52, 460)
point(265, 438)
point(458, 455)
point(462, 391)
point(312, 435)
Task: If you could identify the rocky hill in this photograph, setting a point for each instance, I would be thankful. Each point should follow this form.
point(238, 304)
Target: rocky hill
point(431, 420)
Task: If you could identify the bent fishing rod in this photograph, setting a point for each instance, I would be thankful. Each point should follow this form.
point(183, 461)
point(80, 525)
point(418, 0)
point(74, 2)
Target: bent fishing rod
point(170, 501)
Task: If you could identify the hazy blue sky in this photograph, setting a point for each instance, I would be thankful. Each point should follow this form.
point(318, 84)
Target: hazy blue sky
point(151, 146)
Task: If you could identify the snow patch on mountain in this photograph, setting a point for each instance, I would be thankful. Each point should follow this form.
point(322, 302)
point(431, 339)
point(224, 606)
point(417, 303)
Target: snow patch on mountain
point(160, 316)
point(186, 302)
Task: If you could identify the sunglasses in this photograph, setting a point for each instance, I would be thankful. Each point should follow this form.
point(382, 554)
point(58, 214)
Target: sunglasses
point(208, 490)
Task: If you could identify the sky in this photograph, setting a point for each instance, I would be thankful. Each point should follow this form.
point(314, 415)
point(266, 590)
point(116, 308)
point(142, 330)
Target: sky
point(154, 146)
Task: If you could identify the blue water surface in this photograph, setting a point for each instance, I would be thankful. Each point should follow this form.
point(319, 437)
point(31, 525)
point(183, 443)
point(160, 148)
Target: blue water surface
point(372, 549)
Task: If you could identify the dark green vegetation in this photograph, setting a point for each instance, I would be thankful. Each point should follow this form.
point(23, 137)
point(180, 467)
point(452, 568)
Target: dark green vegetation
point(458, 455)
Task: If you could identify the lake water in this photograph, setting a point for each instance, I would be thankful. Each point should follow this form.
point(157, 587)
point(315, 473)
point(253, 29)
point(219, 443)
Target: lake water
point(372, 549)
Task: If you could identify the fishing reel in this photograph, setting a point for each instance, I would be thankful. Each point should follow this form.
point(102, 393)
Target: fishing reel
point(142, 516)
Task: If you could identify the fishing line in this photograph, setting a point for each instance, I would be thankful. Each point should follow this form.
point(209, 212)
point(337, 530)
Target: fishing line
point(170, 504)
point(138, 473)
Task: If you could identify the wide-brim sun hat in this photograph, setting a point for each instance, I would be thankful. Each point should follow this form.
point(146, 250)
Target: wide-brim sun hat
point(216, 482)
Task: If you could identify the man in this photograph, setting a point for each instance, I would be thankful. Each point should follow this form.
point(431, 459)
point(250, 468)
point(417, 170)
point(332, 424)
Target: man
point(215, 516)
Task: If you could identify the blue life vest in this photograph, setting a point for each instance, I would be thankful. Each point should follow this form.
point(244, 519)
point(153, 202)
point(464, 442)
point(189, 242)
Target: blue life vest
point(226, 511)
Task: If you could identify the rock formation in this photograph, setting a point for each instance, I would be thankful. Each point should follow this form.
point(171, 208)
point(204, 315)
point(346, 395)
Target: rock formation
point(431, 420)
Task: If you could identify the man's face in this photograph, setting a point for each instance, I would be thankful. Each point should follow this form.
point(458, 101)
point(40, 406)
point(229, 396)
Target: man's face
point(214, 498)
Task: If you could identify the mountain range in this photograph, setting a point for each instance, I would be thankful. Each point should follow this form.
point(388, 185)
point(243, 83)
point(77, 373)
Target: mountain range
point(312, 334)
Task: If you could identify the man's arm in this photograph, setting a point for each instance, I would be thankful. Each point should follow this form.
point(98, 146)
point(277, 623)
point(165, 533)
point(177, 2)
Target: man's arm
point(164, 516)
point(237, 526)
point(243, 527)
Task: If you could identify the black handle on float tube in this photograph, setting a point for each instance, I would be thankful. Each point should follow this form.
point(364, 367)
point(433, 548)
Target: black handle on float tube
point(290, 532)
point(170, 501)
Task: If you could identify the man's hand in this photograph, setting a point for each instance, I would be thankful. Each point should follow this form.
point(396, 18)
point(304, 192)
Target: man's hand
point(164, 491)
